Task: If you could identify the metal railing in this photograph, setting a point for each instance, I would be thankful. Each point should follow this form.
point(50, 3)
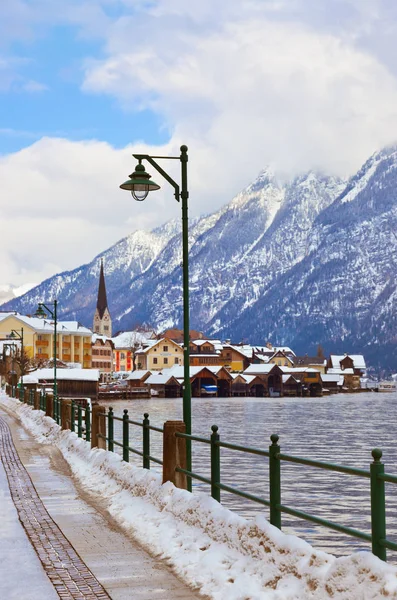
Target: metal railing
point(125, 444)
point(376, 475)
point(82, 424)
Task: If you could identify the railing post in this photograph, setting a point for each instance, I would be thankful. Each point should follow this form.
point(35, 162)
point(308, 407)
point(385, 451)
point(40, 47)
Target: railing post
point(378, 510)
point(110, 430)
point(98, 425)
point(88, 423)
point(65, 414)
point(215, 464)
point(174, 454)
point(36, 400)
point(79, 421)
point(146, 441)
point(126, 442)
point(72, 416)
point(275, 481)
point(49, 408)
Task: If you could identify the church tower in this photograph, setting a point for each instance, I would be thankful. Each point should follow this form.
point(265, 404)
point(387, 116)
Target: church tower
point(102, 320)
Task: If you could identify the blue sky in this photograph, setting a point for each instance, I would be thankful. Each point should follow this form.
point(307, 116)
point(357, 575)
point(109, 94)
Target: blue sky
point(298, 84)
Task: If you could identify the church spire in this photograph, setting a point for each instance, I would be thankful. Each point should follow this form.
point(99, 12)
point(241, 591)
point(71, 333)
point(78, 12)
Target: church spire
point(102, 320)
point(102, 302)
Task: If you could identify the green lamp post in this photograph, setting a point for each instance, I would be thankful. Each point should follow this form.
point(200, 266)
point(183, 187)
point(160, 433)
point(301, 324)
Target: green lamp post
point(16, 335)
point(41, 314)
point(140, 184)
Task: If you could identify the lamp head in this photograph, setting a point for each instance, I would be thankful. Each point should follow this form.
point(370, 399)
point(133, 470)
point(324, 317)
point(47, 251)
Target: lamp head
point(139, 183)
point(40, 313)
point(13, 335)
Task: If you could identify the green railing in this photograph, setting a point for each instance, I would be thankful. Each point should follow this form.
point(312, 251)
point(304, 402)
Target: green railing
point(125, 444)
point(80, 420)
point(376, 475)
point(81, 423)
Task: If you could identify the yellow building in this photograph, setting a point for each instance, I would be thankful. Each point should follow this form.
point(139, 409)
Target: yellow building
point(73, 340)
point(161, 355)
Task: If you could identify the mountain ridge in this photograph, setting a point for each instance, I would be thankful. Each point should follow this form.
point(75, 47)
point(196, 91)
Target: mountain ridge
point(305, 261)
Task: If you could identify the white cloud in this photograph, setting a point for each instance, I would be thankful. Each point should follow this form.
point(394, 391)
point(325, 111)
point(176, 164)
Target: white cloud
point(253, 92)
point(61, 205)
point(242, 84)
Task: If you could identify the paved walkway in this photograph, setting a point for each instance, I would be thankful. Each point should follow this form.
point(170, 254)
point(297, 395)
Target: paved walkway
point(83, 552)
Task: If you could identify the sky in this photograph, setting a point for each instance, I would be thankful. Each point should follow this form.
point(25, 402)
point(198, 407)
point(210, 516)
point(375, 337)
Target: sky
point(296, 84)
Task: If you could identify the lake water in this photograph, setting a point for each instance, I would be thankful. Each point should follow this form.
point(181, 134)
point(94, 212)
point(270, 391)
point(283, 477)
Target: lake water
point(342, 429)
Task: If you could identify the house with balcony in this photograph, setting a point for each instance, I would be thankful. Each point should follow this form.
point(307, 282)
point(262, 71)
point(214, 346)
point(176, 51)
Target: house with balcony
point(73, 341)
point(162, 354)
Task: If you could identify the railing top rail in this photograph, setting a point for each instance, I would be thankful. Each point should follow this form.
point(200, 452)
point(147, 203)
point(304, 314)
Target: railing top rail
point(135, 422)
point(192, 437)
point(153, 428)
point(240, 448)
point(323, 465)
point(387, 477)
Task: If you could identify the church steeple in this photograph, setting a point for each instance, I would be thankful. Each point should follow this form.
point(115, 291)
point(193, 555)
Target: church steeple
point(102, 320)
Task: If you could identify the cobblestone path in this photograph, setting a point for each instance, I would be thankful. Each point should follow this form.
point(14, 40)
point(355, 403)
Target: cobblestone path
point(69, 575)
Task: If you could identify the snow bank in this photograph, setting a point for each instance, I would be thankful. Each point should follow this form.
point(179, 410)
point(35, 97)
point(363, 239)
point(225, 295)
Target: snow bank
point(223, 554)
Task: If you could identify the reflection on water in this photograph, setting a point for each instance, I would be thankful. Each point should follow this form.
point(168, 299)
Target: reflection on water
point(342, 429)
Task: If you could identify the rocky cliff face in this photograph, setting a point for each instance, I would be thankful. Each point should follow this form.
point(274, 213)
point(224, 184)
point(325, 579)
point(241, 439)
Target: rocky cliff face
point(300, 262)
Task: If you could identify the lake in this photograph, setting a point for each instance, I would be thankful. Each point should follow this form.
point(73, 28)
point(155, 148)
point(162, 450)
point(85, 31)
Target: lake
point(342, 429)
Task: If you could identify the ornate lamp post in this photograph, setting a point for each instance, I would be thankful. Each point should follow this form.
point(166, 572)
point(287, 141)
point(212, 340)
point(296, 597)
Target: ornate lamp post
point(16, 335)
point(140, 184)
point(41, 314)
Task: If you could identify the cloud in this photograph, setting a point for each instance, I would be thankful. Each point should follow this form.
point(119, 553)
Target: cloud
point(253, 92)
point(300, 84)
point(34, 86)
point(61, 205)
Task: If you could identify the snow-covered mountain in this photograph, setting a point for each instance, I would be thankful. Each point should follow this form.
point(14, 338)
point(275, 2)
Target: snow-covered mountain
point(301, 262)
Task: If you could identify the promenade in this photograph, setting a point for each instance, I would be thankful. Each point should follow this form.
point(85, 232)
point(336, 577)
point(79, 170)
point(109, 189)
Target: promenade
point(56, 541)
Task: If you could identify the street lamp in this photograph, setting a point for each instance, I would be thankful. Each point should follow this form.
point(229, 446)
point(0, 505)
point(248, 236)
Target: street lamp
point(41, 314)
point(140, 184)
point(15, 335)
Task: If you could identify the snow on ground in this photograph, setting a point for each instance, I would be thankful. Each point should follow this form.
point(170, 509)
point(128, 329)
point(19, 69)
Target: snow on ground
point(226, 556)
point(18, 557)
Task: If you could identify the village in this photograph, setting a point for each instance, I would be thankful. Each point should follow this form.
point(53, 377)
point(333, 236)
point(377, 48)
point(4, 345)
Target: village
point(143, 363)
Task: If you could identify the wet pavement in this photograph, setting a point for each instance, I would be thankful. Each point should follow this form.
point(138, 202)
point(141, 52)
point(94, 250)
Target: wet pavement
point(84, 553)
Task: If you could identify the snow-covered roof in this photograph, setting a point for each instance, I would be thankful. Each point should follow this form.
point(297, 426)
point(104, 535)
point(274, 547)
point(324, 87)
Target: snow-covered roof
point(341, 371)
point(102, 338)
point(178, 370)
point(358, 360)
point(261, 369)
point(285, 378)
point(159, 378)
point(128, 339)
point(329, 377)
point(137, 375)
point(67, 374)
point(47, 325)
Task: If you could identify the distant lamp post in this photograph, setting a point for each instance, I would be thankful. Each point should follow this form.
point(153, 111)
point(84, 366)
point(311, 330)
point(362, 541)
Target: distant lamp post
point(16, 335)
point(140, 184)
point(42, 314)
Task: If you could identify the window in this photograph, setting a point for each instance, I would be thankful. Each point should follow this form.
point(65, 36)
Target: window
point(122, 356)
point(106, 327)
point(165, 348)
point(39, 337)
point(176, 360)
point(166, 361)
point(122, 368)
point(155, 360)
